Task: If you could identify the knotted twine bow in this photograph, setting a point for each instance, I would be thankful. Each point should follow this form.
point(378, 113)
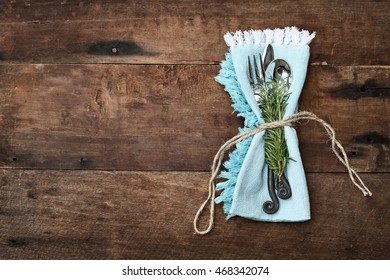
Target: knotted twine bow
point(337, 149)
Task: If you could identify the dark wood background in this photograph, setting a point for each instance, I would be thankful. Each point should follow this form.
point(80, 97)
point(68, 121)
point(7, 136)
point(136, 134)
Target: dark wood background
point(110, 118)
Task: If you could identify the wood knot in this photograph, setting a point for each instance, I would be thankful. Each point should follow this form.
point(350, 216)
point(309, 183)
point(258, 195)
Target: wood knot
point(31, 194)
point(16, 242)
point(83, 162)
point(115, 48)
point(102, 98)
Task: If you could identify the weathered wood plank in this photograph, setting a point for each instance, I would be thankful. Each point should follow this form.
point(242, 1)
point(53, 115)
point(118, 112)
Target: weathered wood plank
point(349, 32)
point(120, 117)
point(148, 215)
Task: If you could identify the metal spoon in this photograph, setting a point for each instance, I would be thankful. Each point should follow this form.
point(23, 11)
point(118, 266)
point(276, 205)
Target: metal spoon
point(279, 71)
point(282, 73)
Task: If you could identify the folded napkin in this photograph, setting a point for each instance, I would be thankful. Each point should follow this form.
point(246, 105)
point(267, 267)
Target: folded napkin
point(245, 189)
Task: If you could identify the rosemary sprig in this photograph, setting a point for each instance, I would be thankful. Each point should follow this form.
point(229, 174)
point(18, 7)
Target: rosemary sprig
point(273, 102)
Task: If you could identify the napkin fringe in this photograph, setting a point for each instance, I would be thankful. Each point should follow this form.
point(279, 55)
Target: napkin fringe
point(287, 36)
point(227, 77)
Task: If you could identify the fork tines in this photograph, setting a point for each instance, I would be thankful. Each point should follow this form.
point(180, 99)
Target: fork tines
point(258, 67)
point(250, 71)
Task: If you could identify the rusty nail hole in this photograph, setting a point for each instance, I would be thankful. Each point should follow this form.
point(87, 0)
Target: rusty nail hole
point(16, 243)
point(31, 194)
point(14, 159)
point(353, 153)
point(363, 88)
point(370, 139)
point(114, 50)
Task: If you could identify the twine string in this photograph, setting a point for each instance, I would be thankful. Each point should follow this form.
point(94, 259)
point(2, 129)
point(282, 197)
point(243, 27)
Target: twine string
point(337, 149)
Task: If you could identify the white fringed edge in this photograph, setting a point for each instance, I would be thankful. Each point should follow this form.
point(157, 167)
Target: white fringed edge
point(287, 36)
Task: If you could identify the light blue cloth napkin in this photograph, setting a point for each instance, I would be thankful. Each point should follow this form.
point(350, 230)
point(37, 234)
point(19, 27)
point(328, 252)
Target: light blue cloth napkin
point(246, 191)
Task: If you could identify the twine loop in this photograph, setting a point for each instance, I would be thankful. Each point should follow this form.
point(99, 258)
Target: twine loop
point(337, 149)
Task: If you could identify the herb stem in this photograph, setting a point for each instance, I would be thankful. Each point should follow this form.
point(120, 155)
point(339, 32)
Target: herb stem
point(273, 102)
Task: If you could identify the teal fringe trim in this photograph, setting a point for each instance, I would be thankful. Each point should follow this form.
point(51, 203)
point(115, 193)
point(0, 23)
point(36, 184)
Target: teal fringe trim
point(228, 78)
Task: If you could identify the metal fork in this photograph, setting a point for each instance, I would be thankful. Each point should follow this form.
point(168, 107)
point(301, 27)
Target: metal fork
point(256, 77)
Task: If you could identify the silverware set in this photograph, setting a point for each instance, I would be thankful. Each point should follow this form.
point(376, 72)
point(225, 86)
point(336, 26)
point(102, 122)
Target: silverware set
point(264, 68)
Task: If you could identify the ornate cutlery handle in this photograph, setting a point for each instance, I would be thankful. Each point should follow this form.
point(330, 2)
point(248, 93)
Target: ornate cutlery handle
point(283, 187)
point(271, 207)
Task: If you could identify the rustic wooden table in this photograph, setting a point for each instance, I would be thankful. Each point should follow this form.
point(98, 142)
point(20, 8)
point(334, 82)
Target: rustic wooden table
point(110, 118)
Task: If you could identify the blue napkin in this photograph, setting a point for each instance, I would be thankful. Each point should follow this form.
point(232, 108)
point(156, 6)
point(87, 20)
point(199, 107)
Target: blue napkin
point(245, 189)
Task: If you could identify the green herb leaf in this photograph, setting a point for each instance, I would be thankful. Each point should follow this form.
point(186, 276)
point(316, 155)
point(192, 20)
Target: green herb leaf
point(273, 103)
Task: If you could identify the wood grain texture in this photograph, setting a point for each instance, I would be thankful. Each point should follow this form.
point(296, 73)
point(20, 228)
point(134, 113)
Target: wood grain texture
point(148, 215)
point(88, 87)
point(349, 32)
point(120, 117)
